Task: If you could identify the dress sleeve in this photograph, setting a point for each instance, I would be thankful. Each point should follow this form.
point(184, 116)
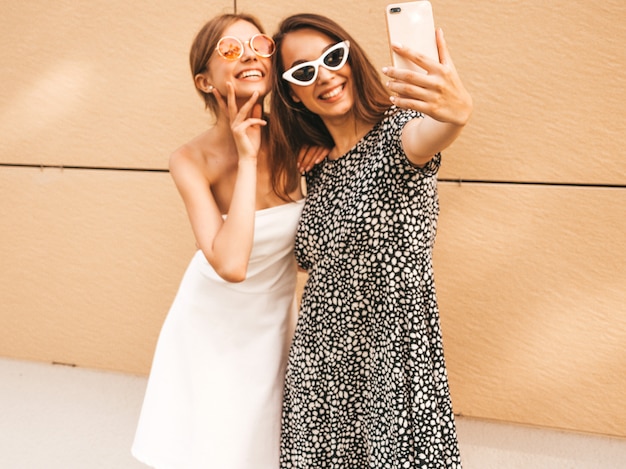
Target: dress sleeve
point(397, 119)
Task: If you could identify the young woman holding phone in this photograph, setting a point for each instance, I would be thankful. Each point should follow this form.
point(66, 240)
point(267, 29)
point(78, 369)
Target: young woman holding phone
point(366, 383)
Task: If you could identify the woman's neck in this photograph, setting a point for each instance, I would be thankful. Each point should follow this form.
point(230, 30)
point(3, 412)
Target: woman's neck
point(346, 134)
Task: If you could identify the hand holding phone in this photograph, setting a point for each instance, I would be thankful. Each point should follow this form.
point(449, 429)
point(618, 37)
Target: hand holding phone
point(412, 25)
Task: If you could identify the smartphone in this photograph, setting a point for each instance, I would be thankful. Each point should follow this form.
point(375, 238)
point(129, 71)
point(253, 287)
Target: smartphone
point(412, 25)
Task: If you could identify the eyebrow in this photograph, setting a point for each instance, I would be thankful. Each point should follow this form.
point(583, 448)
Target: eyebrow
point(298, 62)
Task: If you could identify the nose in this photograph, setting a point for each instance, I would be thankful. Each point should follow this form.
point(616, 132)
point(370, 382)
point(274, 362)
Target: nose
point(323, 74)
point(248, 53)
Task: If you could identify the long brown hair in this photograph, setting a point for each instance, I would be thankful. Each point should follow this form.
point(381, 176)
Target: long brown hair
point(294, 126)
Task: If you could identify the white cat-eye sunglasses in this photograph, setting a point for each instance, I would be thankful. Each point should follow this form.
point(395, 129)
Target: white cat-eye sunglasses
point(306, 73)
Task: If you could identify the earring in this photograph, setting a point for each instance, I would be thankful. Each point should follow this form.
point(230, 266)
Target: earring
point(210, 89)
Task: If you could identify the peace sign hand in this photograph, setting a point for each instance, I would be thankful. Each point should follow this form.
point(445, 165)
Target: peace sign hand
point(245, 122)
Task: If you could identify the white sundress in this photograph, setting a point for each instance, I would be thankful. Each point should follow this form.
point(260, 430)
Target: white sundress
point(214, 395)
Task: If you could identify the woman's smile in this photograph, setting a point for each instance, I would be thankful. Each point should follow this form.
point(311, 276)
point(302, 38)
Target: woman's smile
point(328, 95)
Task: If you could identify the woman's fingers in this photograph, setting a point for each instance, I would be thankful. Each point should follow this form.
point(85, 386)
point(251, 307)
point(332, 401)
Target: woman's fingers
point(310, 156)
point(439, 93)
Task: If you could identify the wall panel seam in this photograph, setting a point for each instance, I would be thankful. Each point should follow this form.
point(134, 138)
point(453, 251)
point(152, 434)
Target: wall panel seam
point(83, 168)
point(461, 181)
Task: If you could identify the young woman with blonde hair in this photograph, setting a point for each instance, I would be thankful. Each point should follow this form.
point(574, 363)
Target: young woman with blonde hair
point(214, 393)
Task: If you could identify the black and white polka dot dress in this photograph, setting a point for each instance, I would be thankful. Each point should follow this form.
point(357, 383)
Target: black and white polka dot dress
point(366, 383)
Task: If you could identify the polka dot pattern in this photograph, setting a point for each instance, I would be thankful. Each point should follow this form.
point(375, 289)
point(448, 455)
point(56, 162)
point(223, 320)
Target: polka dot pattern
point(366, 383)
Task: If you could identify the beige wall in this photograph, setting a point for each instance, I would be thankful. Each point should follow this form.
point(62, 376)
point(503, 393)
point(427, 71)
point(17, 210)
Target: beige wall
point(531, 252)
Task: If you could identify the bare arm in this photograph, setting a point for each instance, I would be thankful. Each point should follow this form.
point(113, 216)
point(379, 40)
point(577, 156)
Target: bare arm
point(439, 95)
point(226, 244)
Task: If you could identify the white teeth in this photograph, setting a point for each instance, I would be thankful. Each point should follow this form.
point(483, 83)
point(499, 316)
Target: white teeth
point(250, 73)
point(332, 93)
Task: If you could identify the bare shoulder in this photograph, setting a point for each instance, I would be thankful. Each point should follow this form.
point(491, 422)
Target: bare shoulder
point(183, 156)
point(193, 157)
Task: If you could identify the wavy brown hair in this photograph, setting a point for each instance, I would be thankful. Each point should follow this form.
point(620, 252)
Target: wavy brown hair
point(294, 126)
